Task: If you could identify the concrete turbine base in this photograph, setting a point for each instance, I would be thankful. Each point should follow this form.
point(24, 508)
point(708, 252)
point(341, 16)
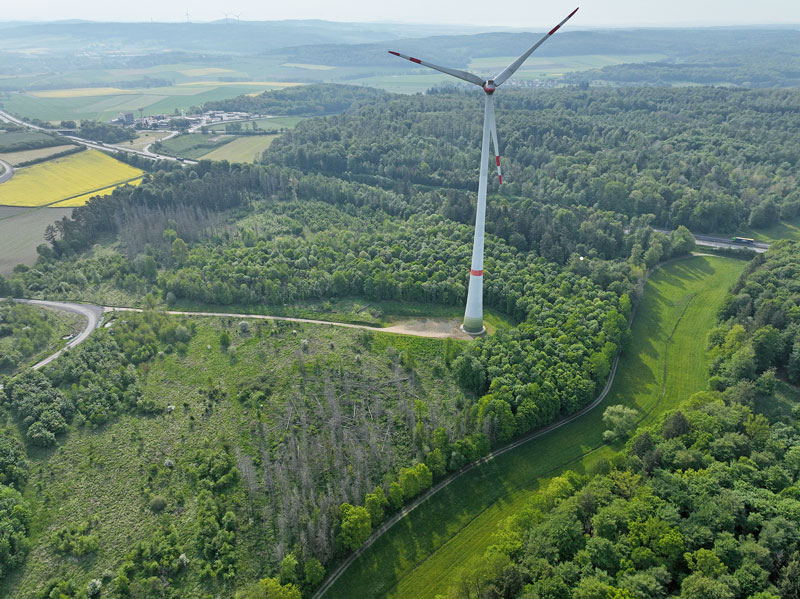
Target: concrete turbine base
point(472, 333)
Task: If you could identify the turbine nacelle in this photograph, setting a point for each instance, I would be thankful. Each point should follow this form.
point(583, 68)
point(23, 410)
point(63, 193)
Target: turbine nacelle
point(489, 86)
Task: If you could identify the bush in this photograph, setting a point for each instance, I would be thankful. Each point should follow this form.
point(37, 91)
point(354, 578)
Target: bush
point(157, 504)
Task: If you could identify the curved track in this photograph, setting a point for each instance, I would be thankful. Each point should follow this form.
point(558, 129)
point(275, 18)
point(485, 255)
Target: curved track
point(8, 171)
point(93, 314)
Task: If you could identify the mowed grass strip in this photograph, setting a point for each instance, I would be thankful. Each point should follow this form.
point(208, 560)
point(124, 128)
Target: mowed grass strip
point(418, 557)
point(50, 182)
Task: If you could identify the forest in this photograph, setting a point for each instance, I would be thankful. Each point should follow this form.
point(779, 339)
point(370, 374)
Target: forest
point(703, 503)
point(375, 205)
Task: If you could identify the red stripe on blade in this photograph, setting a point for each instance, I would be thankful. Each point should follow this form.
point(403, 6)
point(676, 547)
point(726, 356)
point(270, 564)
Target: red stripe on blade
point(498, 160)
point(572, 13)
point(393, 52)
point(476, 273)
point(553, 30)
point(500, 177)
point(417, 60)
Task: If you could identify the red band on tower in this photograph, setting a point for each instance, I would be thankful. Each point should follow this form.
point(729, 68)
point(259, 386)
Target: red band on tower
point(476, 273)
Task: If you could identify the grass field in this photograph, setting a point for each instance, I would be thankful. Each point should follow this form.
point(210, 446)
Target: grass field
point(242, 149)
point(63, 178)
point(193, 145)
point(105, 104)
point(143, 139)
point(16, 158)
point(13, 141)
point(778, 231)
point(21, 230)
point(418, 557)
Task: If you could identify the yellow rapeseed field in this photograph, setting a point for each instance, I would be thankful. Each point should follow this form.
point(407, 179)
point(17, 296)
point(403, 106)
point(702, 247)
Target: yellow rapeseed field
point(82, 174)
point(82, 199)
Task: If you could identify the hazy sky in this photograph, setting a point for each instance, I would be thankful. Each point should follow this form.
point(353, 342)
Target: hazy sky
point(514, 13)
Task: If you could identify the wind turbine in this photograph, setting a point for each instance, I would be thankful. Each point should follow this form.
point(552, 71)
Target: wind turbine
point(473, 315)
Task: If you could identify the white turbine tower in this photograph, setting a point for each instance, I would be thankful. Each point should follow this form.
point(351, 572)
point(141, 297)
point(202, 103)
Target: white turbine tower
point(473, 315)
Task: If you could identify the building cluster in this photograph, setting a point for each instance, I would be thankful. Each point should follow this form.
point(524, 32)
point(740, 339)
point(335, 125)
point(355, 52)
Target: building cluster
point(161, 121)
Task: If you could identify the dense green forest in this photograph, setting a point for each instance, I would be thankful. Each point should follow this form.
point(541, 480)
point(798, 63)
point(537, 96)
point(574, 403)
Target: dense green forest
point(704, 503)
point(705, 158)
point(321, 435)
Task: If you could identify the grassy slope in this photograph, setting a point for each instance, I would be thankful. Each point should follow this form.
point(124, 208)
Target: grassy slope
point(413, 560)
point(193, 145)
point(103, 471)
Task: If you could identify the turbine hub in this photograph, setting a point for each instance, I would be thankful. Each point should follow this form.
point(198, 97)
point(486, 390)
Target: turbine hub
point(489, 87)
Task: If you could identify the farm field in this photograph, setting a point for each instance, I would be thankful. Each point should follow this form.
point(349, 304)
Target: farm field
point(242, 149)
point(192, 145)
point(75, 104)
point(537, 67)
point(16, 158)
point(21, 230)
point(64, 178)
point(412, 560)
point(83, 198)
point(16, 141)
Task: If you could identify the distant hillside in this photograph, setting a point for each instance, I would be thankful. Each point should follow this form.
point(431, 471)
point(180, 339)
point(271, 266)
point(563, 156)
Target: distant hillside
point(227, 37)
point(714, 44)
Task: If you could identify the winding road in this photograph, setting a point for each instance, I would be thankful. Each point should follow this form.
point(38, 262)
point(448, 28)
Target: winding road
point(8, 171)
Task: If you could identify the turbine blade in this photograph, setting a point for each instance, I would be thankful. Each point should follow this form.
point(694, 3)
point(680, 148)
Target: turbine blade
point(510, 69)
point(469, 77)
point(493, 129)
